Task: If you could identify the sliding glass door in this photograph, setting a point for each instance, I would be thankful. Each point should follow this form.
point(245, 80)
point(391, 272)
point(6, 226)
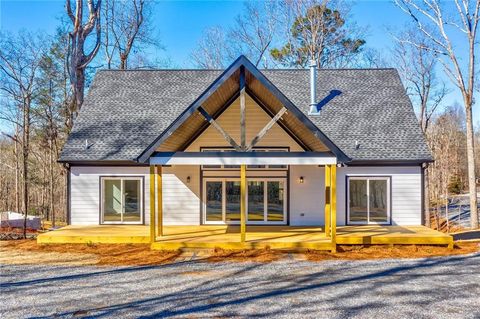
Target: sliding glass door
point(266, 201)
point(121, 200)
point(369, 200)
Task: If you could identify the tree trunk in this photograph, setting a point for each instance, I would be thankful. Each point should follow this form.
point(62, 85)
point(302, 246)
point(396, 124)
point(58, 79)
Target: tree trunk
point(52, 184)
point(26, 140)
point(123, 62)
point(17, 173)
point(79, 89)
point(471, 164)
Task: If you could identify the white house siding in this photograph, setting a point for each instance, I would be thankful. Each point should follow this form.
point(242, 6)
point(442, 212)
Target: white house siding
point(85, 191)
point(307, 200)
point(182, 199)
point(406, 185)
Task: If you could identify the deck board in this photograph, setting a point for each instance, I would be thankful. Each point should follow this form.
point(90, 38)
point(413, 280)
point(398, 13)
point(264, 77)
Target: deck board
point(228, 237)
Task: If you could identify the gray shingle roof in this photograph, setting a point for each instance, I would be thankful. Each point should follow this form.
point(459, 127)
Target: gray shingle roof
point(126, 110)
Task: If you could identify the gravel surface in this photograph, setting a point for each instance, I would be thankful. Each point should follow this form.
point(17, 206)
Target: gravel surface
point(446, 287)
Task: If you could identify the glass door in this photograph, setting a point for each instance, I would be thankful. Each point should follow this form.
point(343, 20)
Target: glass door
point(122, 200)
point(368, 200)
point(266, 201)
point(214, 202)
point(232, 201)
point(276, 201)
point(256, 201)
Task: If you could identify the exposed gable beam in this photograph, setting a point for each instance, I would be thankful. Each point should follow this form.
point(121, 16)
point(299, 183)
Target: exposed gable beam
point(207, 125)
point(242, 63)
point(271, 114)
point(243, 129)
point(217, 126)
point(342, 157)
point(267, 127)
point(191, 109)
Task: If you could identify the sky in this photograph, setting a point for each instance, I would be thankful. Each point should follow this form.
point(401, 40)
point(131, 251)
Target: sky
point(179, 25)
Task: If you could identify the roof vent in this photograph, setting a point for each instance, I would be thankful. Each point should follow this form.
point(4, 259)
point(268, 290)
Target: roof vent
point(313, 87)
point(357, 145)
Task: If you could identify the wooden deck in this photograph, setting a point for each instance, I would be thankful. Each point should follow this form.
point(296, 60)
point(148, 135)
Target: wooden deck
point(391, 235)
point(111, 234)
point(228, 237)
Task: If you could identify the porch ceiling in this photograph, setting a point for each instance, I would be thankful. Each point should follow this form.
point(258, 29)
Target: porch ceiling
point(239, 158)
point(222, 96)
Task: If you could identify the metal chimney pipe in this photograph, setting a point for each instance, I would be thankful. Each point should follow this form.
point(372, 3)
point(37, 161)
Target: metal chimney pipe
point(313, 87)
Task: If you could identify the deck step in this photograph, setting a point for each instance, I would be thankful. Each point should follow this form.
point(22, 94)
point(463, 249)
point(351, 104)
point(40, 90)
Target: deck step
point(174, 245)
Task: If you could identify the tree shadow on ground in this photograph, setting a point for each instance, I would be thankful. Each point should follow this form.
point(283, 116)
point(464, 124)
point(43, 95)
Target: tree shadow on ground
point(233, 293)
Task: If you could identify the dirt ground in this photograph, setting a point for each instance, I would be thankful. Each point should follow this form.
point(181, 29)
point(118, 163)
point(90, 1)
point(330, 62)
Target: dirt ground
point(29, 252)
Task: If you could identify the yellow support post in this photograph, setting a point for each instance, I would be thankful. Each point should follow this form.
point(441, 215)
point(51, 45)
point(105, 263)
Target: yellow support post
point(327, 200)
point(243, 201)
point(333, 207)
point(159, 201)
point(152, 203)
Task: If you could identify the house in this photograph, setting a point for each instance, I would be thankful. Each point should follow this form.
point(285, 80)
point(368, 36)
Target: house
point(279, 150)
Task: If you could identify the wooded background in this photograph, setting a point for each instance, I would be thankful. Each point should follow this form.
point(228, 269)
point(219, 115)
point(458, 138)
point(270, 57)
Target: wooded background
point(43, 79)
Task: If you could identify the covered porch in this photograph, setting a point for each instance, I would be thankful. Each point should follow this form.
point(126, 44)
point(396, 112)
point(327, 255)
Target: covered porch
point(235, 236)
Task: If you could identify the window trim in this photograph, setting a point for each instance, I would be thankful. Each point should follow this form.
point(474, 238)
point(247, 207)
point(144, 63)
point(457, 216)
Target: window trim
point(259, 148)
point(236, 179)
point(388, 178)
point(140, 178)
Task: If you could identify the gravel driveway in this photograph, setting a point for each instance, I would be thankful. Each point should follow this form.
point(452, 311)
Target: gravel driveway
point(447, 287)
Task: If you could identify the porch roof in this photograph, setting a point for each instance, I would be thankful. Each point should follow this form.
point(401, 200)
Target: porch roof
point(239, 158)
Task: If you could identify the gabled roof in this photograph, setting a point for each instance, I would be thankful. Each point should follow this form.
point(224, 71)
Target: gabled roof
point(225, 87)
point(127, 112)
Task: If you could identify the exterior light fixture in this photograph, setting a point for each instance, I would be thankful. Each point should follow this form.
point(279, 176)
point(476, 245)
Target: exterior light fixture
point(188, 179)
point(301, 180)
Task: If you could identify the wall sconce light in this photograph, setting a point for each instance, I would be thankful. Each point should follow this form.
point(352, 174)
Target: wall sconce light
point(301, 180)
point(188, 179)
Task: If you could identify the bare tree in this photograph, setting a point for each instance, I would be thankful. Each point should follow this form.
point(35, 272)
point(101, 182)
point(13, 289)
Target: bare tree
point(433, 21)
point(417, 67)
point(255, 29)
point(212, 50)
point(78, 59)
point(252, 35)
point(20, 59)
point(127, 27)
point(317, 31)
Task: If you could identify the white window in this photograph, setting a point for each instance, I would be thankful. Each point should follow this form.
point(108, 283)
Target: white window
point(368, 200)
point(121, 200)
point(266, 201)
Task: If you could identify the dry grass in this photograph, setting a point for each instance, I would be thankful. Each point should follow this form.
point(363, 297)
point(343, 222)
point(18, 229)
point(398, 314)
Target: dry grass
point(80, 254)
point(29, 252)
point(16, 230)
point(255, 255)
point(359, 252)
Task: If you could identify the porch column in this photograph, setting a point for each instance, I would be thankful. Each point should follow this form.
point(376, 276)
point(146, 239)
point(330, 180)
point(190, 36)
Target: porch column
point(152, 203)
point(159, 201)
point(333, 205)
point(243, 200)
point(327, 199)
